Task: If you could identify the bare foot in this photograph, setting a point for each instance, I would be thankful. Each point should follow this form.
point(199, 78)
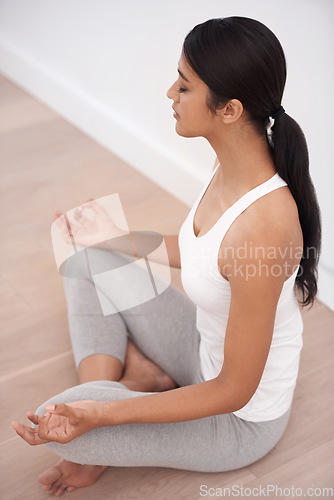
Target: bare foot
point(141, 374)
point(69, 476)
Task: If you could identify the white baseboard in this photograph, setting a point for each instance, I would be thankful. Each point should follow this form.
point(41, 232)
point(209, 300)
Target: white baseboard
point(110, 129)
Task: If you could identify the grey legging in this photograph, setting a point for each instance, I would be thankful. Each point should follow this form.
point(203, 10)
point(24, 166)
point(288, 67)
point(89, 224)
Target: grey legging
point(164, 330)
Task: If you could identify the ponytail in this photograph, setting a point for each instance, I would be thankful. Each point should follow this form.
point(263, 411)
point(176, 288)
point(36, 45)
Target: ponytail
point(292, 163)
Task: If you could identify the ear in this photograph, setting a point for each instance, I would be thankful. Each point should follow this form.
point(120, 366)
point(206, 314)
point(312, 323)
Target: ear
point(231, 112)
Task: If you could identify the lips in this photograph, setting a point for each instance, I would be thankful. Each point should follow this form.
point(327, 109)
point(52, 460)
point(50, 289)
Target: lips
point(176, 115)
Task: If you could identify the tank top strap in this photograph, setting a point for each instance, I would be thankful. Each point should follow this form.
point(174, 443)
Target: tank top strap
point(245, 201)
point(205, 187)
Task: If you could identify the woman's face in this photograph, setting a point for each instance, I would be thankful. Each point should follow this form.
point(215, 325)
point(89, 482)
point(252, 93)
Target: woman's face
point(189, 95)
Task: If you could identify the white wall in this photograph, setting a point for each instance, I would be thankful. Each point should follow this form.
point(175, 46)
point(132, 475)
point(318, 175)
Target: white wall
point(105, 65)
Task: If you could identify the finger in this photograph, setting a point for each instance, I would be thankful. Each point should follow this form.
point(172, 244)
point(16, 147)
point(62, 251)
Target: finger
point(85, 213)
point(28, 434)
point(79, 217)
point(71, 225)
point(60, 221)
point(65, 229)
point(71, 488)
point(57, 214)
point(33, 417)
point(63, 410)
point(94, 205)
point(67, 222)
point(88, 201)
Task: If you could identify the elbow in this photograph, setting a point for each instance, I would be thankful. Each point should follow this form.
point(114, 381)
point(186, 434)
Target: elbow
point(240, 404)
point(233, 395)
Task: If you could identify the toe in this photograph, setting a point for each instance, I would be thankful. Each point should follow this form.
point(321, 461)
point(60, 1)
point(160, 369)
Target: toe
point(47, 487)
point(54, 488)
point(49, 476)
point(70, 488)
point(60, 490)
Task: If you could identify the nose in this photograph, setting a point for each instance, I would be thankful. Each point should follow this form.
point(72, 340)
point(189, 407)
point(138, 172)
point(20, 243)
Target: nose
point(172, 92)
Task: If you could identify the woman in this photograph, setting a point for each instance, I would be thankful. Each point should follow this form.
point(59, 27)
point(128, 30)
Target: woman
point(220, 363)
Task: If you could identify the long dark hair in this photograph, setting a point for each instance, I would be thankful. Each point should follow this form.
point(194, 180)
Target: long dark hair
point(240, 58)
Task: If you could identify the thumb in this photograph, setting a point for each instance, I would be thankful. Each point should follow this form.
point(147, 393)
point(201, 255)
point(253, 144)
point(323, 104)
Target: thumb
point(57, 214)
point(61, 409)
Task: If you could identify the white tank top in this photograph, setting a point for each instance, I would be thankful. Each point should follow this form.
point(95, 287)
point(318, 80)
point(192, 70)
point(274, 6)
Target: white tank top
point(211, 293)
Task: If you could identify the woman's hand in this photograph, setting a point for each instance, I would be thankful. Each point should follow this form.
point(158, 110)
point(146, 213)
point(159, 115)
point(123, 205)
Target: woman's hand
point(62, 424)
point(89, 225)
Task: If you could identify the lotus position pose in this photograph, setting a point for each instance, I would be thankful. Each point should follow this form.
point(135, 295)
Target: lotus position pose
point(201, 380)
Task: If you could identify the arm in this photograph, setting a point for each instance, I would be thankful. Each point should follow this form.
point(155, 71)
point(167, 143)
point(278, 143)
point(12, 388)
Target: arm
point(247, 343)
point(173, 251)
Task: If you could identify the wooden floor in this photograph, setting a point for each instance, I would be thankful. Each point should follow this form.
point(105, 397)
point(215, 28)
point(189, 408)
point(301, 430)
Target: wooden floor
point(47, 164)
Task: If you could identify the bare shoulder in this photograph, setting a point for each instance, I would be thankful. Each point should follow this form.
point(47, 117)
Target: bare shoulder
point(270, 224)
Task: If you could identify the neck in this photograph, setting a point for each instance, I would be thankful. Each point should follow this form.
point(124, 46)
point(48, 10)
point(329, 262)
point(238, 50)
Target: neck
point(245, 158)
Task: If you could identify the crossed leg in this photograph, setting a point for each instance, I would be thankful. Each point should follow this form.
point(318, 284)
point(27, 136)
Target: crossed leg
point(138, 374)
point(103, 351)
